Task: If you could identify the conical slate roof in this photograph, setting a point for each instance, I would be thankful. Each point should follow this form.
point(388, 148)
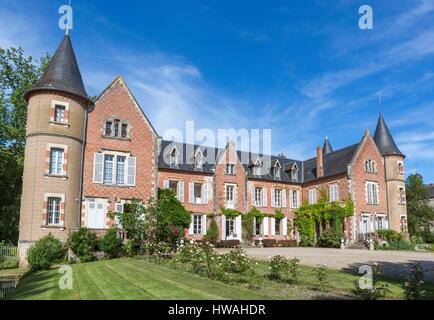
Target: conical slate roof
point(63, 73)
point(327, 148)
point(384, 141)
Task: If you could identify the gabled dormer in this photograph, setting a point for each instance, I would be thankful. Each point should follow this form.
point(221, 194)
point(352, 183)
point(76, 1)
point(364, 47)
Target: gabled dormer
point(276, 169)
point(174, 157)
point(199, 159)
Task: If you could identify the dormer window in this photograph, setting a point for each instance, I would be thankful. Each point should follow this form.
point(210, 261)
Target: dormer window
point(294, 173)
point(257, 168)
point(198, 160)
point(276, 171)
point(174, 158)
point(370, 166)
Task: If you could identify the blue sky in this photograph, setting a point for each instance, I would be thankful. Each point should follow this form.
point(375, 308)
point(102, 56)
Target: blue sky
point(301, 68)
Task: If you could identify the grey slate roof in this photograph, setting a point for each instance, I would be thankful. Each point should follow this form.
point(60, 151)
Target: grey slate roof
point(186, 161)
point(63, 73)
point(384, 141)
point(327, 148)
point(335, 162)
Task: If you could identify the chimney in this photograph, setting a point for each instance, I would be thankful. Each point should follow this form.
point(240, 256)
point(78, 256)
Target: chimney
point(319, 162)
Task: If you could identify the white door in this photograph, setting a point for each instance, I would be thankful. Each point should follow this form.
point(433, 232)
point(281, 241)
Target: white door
point(96, 214)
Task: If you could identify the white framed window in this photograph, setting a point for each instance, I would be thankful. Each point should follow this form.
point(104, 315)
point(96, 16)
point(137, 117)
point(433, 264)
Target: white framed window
point(197, 224)
point(53, 211)
point(56, 161)
point(277, 170)
point(401, 195)
point(294, 199)
point(59, 113)
point(258, 194)
point(177, 186)
point(333, 192)
point(312, 195)
point(381, 222)
point(400, 167)
point(277, 227)
point(276, 198)
point(198, 192)
point(114, 169)
point(230, 227)
point(370, 166)
point(230, 169)
point(371, 192)
point(365, 224)
point(198, 160)
point(294, 174)
point(230, 190)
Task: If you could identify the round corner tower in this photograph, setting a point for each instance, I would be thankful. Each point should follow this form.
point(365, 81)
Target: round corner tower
point(394, 175)
point(56, 117)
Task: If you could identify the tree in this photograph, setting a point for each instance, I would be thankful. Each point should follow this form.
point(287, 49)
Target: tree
point(132, 220)
point(17, 75)
point(166, 218)
point(420, 213)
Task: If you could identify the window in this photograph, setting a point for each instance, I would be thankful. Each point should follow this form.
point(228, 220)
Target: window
point(120, 170)
point(380, 222)
point(278, 198)
point(258, 197)
point(277, 227)
point(56, 161)
point(53, 211)
point(401, 199)
point(59, 113)
point(198, 160)
point(370, 166)
point(108, 128)
point(230, 169)
point(312, 196)
point(364, 227)
point(334, 192)
point(108, 169)
point(197, 224)
point(124, 130)
point(230, 196)
point(372, 192)
point(174, 158)
point(294, 198)
point(116, 128)
point(173, 185)
point(400, 167)
point(403, 224)
point(294, 174)
point(177, 186)
point(197, 193)
point(277, 171)
point(230, 227)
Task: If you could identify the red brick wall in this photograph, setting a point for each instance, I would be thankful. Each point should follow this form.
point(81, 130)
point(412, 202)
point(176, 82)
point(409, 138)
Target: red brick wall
point(322, 184)
point(117, 101)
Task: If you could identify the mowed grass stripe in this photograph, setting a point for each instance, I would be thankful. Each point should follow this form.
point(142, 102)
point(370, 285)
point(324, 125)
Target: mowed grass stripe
point(131, 289)
point(198, 287)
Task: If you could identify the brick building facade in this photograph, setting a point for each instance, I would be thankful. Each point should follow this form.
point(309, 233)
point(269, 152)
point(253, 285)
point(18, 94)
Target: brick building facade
point(85, 159)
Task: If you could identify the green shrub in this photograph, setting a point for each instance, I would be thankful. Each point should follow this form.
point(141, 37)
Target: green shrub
point(212, 234)
point(111, 244)
point(413, 285)
point(83, 243)
point(390, 235)
point(131, 248)
point(236, 261)
point(321, 277)
point(373, 291)
point(306, 241)
point(9, 264)
point(44, 253)
point(281, 267)
point(330, 239)
point(400, 245)
point(157, 251)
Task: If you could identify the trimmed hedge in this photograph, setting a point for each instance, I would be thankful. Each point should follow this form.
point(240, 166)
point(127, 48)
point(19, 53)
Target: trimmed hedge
point(227, 243)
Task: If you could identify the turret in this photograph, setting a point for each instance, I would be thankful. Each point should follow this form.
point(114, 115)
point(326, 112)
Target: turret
point(394, 174)
point(53, 155)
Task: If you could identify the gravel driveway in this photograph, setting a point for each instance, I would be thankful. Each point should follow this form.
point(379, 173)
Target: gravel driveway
point(393, 263)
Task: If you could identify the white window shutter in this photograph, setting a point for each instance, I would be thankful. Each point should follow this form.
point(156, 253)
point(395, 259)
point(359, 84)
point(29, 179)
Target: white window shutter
point(253, 196)
point(283, 198)
point(204, 192)
point(298, 199)
point(131, 177)
point(181, 191)
point(98, 163)
point(238, 227)
point(166, 184)
point(191, 192)
point(264, 197)
point(285, 226)
point(386, 223)
point(291, 199)
point(223, 227)
point(265, 226)
point(273, 202)
point(204, 226)
point(273, 226)
point(191, 229)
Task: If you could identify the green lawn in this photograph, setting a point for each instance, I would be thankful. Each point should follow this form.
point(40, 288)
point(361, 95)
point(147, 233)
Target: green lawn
point(138, 279)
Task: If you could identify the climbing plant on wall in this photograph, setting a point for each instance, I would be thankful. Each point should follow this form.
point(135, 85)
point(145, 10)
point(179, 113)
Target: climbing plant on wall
point(308, 216)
